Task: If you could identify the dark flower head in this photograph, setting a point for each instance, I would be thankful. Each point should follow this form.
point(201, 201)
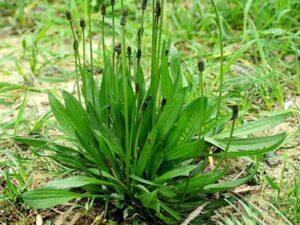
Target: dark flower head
point(124, 17)
point(82, 23)
point(146, 103)
point(139, 54)
point(144, 4)
point(129, 51)
point(68, 15)
point(112, 2)
point(235, 112)
point(201, 65)
point(163, 101)
point(118, 48)
point(103, 10)
point(157, 9)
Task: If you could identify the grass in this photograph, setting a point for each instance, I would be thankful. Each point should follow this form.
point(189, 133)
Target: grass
point(261, 72)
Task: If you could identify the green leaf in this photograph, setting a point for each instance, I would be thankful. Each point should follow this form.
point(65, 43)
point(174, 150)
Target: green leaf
point(167, 191)
point(272, 183)
point(47, 198)
point(45, 144)
point(240, 144)
point(110, 139)
point(251, 152)
point(20, 114)
point(141, 180)
point(76, 181)
point(199, 181)
point(223, 186)
point(177, 172)
point(189, 122)
point(146, 153)
point(185, 151)
point(150, 200)
point(35, 142)
point(62, 116)
point(256, 126)
point(78, 115)
point(166, 80)
point(170, 113)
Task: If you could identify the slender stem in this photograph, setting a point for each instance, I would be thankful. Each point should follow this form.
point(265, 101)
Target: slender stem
point(78, 57)
point(142, 31)
point(103, 39)
point(227, 146)
point(91, 50)
point(221, 62)
point(125, 81)
point(160, 32)
point(113, 25)
point(77, 52)
point(83, 49)
point(113, 38)
point(84, 64)
point(140, 39)
point(77, 76)
point(90, 37)
point(154, 78)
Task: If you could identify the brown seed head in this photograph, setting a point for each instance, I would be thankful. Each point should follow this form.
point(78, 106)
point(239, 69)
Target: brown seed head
point(112, 2)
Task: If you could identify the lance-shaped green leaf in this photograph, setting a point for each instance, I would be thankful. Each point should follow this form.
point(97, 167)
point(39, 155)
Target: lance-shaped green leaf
point(240, 144)
point(188, 123)
point(146, 153)
point(62, 116)
point(47, 198)
point(226, 185)
point(150, 200)
point(250, 152)
point(256, 126)
point(177, 172)
point(76, 181)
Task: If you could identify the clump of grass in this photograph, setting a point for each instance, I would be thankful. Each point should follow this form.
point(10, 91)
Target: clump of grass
point(142, 146)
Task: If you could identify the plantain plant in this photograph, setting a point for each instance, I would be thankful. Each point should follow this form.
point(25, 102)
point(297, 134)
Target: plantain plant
point(145, 145)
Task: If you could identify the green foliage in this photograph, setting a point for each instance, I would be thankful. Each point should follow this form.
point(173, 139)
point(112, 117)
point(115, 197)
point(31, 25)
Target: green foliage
point(15, 177)
point(130, 146)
